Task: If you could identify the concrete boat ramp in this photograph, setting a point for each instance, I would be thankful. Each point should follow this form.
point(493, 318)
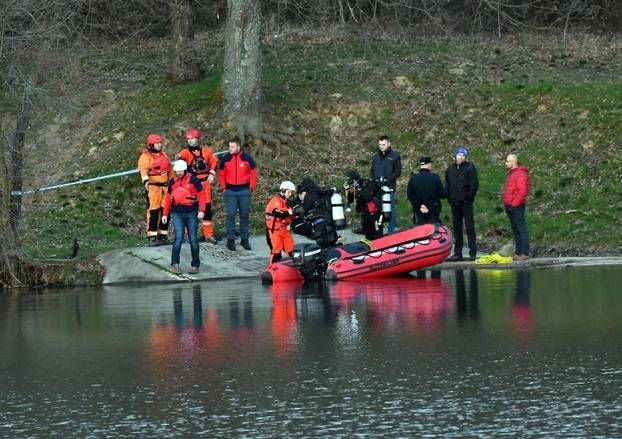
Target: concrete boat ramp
point(152, 264)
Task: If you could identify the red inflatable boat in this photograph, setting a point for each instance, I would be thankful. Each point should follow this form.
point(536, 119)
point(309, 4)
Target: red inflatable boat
point(412, 249)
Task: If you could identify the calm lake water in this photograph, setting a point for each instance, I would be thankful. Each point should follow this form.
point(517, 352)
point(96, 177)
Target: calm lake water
point(486, 353)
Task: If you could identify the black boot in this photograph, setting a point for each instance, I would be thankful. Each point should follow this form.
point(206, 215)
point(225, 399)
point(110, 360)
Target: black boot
point(162, 240)
point(153, 241)
point(231, 244)
point(245, 244)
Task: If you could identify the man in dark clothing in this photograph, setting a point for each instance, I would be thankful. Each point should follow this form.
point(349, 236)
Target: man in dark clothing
point(425, 191)
point(386, 167)
point(367, 195)
point(314, 218)
point(461, 186)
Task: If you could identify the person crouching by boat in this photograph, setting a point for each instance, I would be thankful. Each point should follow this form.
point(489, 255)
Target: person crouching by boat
point(367, 195)
point(279, 216)
point(187, 198)
point(315, 219)
point(425, 191)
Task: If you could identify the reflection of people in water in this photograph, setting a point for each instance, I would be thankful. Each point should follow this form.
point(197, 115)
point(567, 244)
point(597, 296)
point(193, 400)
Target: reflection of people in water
point(522, 316)
point(416, 303)
point(467, 305)
point(197, 308)
point(284, 328)
point(184, 336)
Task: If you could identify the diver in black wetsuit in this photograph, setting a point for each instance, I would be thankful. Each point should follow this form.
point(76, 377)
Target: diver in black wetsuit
point(368, 197)
point(315, 219)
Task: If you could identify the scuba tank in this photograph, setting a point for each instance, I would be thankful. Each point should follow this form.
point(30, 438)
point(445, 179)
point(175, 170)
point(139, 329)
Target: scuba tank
point(386, 202)
point(337, 211)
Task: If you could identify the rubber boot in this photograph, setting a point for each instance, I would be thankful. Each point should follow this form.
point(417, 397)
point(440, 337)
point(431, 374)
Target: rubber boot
point(162, 239)
point(208, 232)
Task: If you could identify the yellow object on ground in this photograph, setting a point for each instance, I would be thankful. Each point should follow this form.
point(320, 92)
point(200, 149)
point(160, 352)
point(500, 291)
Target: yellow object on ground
point(494, 258)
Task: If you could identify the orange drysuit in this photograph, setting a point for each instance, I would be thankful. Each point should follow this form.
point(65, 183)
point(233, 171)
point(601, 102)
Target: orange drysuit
point(155, 168)
point(279, 217)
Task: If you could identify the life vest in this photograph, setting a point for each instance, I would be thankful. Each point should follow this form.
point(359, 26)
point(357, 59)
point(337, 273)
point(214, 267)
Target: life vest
point(160, 165)
point(183, 192)
point(274, 222)
point(201, 165)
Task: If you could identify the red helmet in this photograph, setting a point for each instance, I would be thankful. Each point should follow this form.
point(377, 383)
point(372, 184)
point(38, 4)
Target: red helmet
point(193, 133)
point(153, 138)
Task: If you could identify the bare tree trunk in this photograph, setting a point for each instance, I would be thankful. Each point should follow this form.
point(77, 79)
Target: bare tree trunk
point(17, 158)
point(7, 236)
point(184, 67)
point(8, 242)
point(342, 15)
point(242, 66)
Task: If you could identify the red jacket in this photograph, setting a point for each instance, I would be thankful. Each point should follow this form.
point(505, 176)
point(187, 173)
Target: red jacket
point(516, 187)
point(237, 171)
point(190, 191)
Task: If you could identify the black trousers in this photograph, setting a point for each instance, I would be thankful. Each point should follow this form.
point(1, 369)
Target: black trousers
point(516, 216)
point(371, 228)
point(462, 211)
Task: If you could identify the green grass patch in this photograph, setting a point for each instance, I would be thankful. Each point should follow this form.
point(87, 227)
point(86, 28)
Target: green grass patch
point(558, 108)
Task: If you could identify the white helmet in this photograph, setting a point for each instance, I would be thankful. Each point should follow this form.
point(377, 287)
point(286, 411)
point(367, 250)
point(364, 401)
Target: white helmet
point(180, 165)
point(287, 185)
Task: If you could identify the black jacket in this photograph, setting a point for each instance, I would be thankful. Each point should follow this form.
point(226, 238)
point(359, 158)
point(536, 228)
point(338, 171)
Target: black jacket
point(461, 182)
point(425, 188)
point(368, 197)
point(387, 165)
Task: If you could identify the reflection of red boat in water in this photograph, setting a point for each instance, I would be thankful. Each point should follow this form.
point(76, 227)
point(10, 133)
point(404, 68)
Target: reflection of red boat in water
point(402, 252)
point(426, 301)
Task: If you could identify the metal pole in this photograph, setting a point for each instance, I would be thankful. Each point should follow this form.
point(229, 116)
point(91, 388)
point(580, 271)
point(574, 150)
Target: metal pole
point(87, 180)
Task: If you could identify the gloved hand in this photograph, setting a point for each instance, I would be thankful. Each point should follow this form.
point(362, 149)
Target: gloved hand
point(164, 219)
point(299, 210)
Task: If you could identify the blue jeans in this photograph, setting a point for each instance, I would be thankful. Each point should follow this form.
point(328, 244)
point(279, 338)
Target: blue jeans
point(393, 220)
point(234, 201)
point(181, 221)
point(519, 227)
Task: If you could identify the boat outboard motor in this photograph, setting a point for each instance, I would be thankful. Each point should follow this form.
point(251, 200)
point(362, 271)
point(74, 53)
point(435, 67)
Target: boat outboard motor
point(309, 261)
point(337, 211)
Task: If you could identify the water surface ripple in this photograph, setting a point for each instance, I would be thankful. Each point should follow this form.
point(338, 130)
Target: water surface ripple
point(462, 354)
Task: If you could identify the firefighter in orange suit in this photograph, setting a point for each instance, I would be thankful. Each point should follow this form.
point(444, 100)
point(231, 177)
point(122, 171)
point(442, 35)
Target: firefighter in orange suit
point(202, 163)
point(155, 171)
point(279, 216)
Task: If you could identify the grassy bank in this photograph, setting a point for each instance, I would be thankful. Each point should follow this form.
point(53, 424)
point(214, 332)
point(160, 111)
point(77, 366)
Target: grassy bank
point(557, 105)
